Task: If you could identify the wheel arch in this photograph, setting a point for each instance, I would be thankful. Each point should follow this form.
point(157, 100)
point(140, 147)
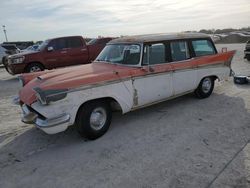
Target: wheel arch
point(32, 62)
point(213, 76)
point(114, 104)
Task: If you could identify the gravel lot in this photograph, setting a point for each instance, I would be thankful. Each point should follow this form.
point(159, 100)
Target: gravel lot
point(184, 142)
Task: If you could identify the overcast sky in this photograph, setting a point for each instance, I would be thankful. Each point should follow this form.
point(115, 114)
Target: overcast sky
point(41, 19)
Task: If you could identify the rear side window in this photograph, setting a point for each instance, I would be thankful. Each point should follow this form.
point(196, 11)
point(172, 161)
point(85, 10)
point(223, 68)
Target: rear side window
point(203, 47)
point(179, 50)
point(101, 41)
point(154, 54)
point(74, 42)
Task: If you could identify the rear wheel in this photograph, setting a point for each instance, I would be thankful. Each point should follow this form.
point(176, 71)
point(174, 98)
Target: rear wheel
point(93, 119)
point(247, 56)
point(34, 67)
point(205, 88)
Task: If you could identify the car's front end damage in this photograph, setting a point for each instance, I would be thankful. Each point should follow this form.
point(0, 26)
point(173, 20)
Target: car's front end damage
point(51, 118)
point(43, 104)
point(50, 125)
point(51, 99)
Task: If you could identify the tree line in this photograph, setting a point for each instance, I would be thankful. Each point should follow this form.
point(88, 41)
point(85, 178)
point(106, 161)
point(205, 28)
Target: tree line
point(220, 31)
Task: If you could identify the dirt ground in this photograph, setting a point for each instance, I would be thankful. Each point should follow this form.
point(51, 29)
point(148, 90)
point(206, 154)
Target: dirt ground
point(182, 143)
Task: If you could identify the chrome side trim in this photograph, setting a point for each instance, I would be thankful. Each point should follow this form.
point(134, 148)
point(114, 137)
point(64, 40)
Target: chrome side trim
point(143, 76)
point(90, 86)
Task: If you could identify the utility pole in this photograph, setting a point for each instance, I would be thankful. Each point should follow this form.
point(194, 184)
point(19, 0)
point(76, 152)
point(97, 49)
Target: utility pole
point(5, 33)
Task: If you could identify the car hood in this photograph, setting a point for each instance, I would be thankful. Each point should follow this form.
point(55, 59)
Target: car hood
point(75, 77)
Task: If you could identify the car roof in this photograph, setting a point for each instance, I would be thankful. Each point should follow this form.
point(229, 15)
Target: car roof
point(158, 37)
point(9, 46)
point(75, 36)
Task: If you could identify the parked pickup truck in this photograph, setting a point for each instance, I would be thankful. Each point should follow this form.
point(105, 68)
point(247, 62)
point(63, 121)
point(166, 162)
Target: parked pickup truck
point(129, 73)
point(53, 53)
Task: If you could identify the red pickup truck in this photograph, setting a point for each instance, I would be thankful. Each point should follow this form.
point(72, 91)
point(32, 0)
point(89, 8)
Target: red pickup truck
point(56, 52)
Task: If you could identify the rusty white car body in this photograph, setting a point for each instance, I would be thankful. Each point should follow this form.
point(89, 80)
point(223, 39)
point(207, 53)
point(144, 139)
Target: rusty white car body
point(130, 73)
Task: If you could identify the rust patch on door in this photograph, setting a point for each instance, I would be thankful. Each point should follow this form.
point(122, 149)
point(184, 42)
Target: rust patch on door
point(135, 94)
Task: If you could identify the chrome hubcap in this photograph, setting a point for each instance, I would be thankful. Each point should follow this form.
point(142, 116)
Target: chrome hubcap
point(35, 69)
point(98, 118)
point(206, 85)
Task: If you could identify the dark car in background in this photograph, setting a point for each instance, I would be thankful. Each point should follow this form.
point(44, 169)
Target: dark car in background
point(11, 48)
point(53, 53)
point(247, 51)
point(6, 50)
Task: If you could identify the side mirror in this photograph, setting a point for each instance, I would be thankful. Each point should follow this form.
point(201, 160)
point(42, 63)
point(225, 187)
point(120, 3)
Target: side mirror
point(50, 49)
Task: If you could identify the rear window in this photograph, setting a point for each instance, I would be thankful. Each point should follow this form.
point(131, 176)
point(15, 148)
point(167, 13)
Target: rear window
point(203, 47)
point(74, 42)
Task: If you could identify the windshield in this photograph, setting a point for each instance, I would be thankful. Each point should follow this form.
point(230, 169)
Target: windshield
point(127, 54)
point(93, 41)
point(43, 45)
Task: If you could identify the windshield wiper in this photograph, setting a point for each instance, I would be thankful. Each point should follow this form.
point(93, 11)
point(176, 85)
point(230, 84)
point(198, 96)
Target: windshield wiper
point(102, 60)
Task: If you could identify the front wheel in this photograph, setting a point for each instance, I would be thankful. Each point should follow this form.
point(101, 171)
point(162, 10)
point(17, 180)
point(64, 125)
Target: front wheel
point(34, 67)
point(93, 119)
point(205, 88)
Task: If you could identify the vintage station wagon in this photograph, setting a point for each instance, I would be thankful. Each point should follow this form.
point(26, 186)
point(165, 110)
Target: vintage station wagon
point(130, 73)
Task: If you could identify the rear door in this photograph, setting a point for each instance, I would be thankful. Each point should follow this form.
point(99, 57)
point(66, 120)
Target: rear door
point(77, 51)
point(184, 68)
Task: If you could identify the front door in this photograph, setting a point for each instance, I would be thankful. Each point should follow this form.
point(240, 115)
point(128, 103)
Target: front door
point(155, 84)
point(56, 53)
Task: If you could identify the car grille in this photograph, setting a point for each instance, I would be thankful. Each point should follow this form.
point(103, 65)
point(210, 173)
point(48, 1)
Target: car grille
point(34, 111)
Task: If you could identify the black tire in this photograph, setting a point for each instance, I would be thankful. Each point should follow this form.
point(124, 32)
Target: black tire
point(247, 56)
point(240, 80)
point(202, 91)
point(34, 67)
point(89, 129)
point(4, 60)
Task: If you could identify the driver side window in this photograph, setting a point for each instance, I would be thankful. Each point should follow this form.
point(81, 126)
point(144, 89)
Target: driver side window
point(58, 44)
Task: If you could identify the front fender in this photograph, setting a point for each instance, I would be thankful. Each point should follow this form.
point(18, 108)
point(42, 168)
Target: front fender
point(121, 92)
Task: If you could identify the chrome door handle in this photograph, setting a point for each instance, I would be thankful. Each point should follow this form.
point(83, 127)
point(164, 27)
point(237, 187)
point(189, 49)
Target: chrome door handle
point(63, 52)
point(84, 49)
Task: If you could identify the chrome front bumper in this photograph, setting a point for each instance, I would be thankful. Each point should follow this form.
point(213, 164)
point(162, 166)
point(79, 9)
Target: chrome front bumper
point(52, 125)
